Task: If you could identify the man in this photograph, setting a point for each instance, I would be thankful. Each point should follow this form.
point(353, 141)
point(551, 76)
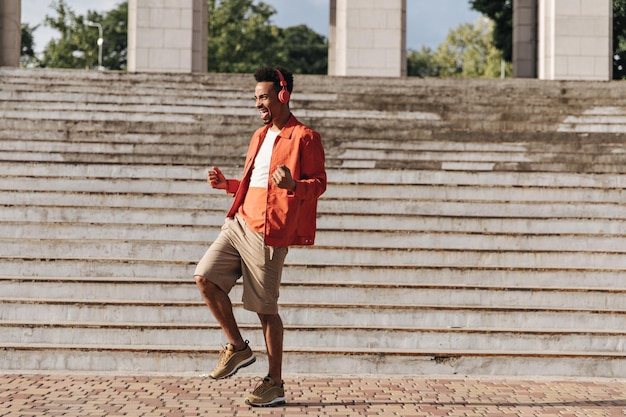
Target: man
point(275, 206)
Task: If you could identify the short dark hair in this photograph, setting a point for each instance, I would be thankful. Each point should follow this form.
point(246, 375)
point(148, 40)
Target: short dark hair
point(265, 74)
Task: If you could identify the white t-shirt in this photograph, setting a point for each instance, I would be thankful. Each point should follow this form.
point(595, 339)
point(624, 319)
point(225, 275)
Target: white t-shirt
point(261, 171)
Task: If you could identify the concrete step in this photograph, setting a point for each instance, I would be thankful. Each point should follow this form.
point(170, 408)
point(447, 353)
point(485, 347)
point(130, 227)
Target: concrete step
point(229, 85)
point(307, 104)
point(408, 255)
point(102, 98)
point(487, 294)
point(51, 131)
point(380, 208)
point(512, 111)
point(580, 233)
point(118, 158)
point(476, 143)
point(535, 91)
point(311, 361)
point(35, 269)
point(145, 100)
point(49, 151)
point(518, 180)
point(35, 237)
point(420, 91)
point(539, 154)
point(192, 114)
point(190, 193)
point(43, 221)
point(304, 314)
point(209, 336)
point(51, 148)
point(77, 127)
point(444, 138)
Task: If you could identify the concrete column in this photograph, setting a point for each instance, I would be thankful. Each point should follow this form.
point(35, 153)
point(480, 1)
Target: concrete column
point(367, 38)
point(10, 33)
point(167, 35)
point(525, 38)
point(575, 39)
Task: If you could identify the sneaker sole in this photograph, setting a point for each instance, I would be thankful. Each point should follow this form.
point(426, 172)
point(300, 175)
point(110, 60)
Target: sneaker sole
point(274, 403)
point(249, 362)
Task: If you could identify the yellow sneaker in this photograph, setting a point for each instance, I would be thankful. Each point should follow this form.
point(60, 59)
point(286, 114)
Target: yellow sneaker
point(267, 394)
point(230, 361)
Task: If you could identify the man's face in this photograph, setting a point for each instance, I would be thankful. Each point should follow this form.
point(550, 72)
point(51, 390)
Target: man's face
point(267, 101)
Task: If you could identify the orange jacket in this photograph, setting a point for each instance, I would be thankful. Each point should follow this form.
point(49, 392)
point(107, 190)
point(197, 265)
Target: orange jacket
point(290, 217)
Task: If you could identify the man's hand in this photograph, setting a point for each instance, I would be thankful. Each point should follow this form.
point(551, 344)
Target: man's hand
point(216, 179)
point(282, 178)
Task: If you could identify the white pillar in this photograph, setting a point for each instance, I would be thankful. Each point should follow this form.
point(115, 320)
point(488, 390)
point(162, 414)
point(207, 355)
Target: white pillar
point(10, 33)
point(167, 35)
point(575, 39)
point(367, 37)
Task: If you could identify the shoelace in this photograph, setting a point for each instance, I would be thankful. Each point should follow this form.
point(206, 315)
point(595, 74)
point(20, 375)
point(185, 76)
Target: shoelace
point(224, 355)
point(263, 385)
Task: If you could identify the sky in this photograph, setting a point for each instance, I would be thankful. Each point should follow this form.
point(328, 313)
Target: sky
point(428, 21)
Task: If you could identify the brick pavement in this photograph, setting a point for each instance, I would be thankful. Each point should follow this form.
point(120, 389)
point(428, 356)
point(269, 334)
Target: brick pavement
point(83, 395)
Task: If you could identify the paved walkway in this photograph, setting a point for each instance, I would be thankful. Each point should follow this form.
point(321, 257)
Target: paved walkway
point(82, 395)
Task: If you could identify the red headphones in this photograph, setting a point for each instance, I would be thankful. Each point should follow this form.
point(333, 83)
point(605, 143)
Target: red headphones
point(283, 95)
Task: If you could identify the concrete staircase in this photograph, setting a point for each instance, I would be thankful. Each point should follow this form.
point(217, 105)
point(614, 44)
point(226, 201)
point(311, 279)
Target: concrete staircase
point(469, 227)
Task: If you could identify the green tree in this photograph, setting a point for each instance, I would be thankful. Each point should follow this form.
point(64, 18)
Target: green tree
point(619, 39)
point(77, 46)
point(501, 13)
point(466, 52)
point(115, 28)
point(241, 37)
point(27, 56)
point(69, 50)
point(303, 50)
point(420, 63)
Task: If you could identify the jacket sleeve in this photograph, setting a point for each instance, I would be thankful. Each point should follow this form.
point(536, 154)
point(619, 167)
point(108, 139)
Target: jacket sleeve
point(312, 181)
point(232, 185)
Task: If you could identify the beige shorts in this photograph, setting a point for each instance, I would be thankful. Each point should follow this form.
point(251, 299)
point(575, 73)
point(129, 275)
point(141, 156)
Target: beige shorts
point(239, 252)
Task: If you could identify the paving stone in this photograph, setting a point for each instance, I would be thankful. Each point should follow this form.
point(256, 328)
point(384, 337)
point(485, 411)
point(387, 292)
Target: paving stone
point(70, 395)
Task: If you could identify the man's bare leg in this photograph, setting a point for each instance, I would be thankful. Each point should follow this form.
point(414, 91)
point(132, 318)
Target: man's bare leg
point(222, 308)
point(273, 333)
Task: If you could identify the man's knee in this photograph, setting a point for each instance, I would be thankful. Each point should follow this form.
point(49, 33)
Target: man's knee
point(271, 319)
point(204, 284)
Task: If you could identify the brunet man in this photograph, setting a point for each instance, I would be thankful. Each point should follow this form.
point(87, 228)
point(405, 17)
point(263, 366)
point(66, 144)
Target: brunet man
point(275, 206)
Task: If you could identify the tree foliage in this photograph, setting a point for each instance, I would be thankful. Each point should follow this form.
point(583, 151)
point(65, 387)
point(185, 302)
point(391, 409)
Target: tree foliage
point(420, 63)
point(240, 35)
point(27, 48)
point(467, 52)
point(303, 50)
point(619, 39)
point(115, 28)
point(77, 45)
point(501, 13)
point(242, 38)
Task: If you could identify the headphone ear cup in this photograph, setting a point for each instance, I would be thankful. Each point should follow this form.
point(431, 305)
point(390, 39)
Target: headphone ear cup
point(283, 95)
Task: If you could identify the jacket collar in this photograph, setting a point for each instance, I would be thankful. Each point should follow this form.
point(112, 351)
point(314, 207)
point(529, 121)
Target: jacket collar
point(287, 130)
